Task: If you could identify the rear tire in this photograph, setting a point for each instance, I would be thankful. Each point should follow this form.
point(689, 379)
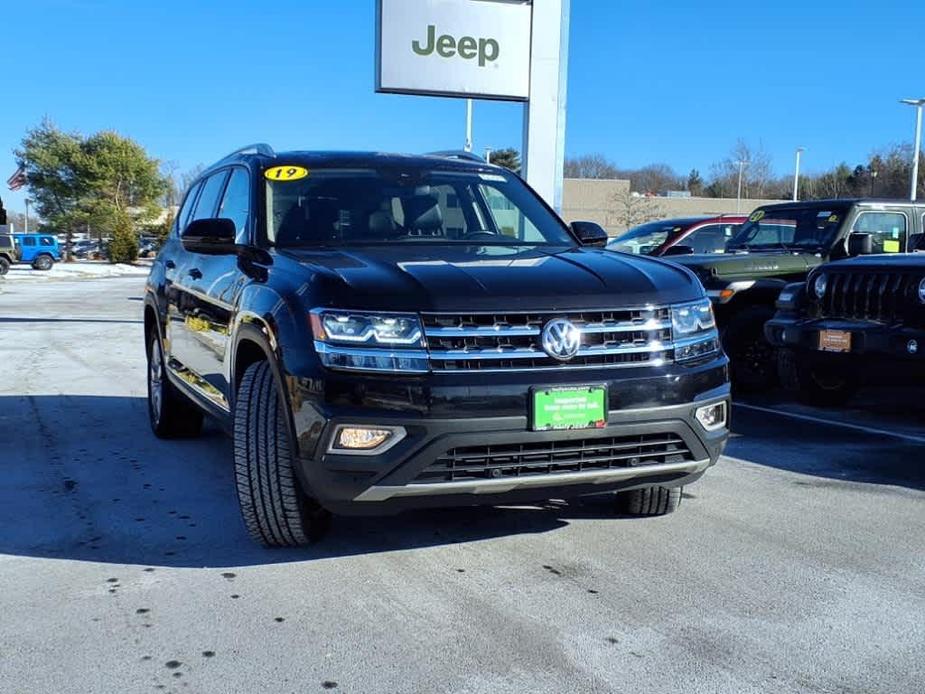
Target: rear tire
point(171, 414)
point(276, 512)
point(813, 384)
point(752, 358)
point(43, 263)
point(649, 501)
point(4, 266)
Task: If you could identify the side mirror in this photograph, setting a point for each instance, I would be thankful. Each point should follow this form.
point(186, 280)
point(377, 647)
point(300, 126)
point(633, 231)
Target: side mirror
point(860, 244)
point(210, 237)
point(590, 234)
point(918, 243)
point(679, 250)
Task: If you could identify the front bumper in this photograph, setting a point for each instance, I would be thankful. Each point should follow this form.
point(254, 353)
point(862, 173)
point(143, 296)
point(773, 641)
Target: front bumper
point(868, 340)
point(493, 414)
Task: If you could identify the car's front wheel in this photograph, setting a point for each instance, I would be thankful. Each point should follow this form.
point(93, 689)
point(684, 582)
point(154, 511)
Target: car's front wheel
point(815, 384)
point(171, 414)
point(649, 501)
point(275, 510)
point(43, 263)
point(4, 266)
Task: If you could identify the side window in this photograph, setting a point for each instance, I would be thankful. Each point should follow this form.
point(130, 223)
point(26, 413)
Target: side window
point(708, 239)
point(46, 241)
point(28, 240)
point(236, 202)
point(887, 230)
point(184, 213)
point(508, 220)
point(208, 198)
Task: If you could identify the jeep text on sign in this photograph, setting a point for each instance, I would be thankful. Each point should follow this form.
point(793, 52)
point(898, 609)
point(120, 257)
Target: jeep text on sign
point(478, 48)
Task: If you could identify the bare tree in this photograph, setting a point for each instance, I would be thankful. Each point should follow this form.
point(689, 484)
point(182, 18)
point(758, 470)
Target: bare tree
point(590, 166)
point(757, 175)
point(631, 209)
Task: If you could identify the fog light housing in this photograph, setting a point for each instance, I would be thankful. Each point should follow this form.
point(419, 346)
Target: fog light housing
point(359, 439)
point(712, 417)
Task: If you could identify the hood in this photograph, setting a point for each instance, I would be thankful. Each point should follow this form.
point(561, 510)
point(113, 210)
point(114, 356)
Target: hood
point(893, 262)
point(748, 265)
point(494, 278)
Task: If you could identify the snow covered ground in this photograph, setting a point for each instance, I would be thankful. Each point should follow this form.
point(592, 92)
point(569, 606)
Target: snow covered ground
point(81, 269)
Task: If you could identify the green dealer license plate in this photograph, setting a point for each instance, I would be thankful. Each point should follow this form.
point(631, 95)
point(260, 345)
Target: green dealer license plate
point(569, 408)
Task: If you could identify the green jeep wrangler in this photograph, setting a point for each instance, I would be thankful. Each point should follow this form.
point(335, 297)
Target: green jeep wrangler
point(780, 244)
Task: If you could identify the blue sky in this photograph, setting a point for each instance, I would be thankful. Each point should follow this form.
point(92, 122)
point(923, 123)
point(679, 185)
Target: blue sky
point(674, 82)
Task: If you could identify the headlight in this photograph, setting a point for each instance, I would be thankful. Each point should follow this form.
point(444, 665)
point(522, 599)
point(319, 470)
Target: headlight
point(366, 341)
point(688, 319)
point(819, 285)
point(693, 330)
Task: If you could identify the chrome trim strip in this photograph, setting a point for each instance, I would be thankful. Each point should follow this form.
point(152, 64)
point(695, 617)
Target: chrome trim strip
point(464, 354)
point(192, 381)
point(500, 486)
point(324, 350)
point(520, 331)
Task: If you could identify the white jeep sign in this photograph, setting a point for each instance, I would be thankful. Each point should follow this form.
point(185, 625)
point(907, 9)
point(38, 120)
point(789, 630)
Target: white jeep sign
point(473, 48)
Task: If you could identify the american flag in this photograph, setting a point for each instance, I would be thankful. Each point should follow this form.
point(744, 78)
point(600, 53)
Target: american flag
point(18, 179)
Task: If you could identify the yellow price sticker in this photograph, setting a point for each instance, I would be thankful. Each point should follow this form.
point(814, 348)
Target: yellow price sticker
point(833, 218)
point(891, 247)
point(285, 173)
point(757, 216)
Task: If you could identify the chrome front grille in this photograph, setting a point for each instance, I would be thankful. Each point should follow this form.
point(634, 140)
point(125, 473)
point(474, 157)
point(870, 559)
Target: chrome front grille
point(509, 341)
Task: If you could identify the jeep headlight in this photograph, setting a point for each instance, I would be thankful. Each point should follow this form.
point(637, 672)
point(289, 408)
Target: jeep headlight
point(369, 341)
point(693, 330)
point(819, 285)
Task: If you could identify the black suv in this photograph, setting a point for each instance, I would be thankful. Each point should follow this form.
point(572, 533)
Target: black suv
point(381, 332)
point(852, 321)
point(780, 244)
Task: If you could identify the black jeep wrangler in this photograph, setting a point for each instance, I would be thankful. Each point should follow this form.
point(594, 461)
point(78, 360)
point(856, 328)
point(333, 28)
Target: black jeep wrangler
point(780, 244)
point(381, 332)
point(852, 321)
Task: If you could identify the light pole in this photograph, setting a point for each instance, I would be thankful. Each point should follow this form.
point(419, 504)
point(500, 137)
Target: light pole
point(468, 146)
point(742, 164)
point(918, 143)
point(796, 175)
point(27, 215)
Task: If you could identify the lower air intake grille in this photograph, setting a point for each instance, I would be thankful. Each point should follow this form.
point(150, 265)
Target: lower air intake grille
point(554, 457)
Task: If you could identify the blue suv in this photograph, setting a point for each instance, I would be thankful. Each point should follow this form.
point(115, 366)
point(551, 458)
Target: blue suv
point(41, 250)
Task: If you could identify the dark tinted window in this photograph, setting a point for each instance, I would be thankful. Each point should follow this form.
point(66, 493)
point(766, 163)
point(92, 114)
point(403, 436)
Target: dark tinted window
point(709, 239)
point(236, 202)
point(797, 228)
point(28, 240)
point(397, 205)
point(183, 215)
point(6, 241)
point(46, 241)
point(208, 198)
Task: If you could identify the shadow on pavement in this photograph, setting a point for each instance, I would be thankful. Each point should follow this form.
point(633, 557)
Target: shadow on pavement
point(85, 479)
point(826, 451)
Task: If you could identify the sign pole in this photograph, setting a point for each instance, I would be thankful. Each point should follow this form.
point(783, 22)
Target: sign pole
point(468, 146)
point(544, 114)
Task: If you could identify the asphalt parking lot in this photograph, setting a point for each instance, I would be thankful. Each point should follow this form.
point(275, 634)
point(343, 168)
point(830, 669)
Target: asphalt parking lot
point(796, 565)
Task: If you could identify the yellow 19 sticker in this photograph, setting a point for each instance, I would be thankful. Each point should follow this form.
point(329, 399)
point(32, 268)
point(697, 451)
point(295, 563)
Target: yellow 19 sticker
point(757, 216)
point(285, 173)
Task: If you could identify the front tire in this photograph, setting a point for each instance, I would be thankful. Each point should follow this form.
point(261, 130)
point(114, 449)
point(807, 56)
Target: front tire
point(171, 415)
point(276, 512)
point(4, 266)
point(649, 501)
point(813, 384)
point(43, 263)
point(751, 356)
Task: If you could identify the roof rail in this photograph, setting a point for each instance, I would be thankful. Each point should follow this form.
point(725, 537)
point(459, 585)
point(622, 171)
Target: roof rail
point(256, 148)
point(457, 154)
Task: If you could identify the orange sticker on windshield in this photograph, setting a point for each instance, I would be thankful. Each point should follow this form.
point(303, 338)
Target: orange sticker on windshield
point(756, 216)
point(285, 173)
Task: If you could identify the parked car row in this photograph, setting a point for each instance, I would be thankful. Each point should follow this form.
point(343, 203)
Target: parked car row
point(763, 269)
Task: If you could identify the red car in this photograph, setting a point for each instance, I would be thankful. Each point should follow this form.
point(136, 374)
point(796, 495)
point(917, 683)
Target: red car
point(682, 236)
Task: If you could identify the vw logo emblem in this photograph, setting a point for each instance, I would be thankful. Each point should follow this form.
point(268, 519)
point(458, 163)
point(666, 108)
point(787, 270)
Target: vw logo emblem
point(922, 291)
point(561, 339)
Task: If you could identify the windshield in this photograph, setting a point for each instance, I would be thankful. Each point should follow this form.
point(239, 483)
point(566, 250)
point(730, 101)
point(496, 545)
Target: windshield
point(337, 207)
point(644, 239)
point(797, 228)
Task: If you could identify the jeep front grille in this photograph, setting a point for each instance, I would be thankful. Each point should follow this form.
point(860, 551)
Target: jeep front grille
point(554, 457)
point(508, 341)
point(883, 297)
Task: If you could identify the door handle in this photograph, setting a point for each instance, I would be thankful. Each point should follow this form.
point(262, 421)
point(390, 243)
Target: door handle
point(195, 274)
point(170, 265)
